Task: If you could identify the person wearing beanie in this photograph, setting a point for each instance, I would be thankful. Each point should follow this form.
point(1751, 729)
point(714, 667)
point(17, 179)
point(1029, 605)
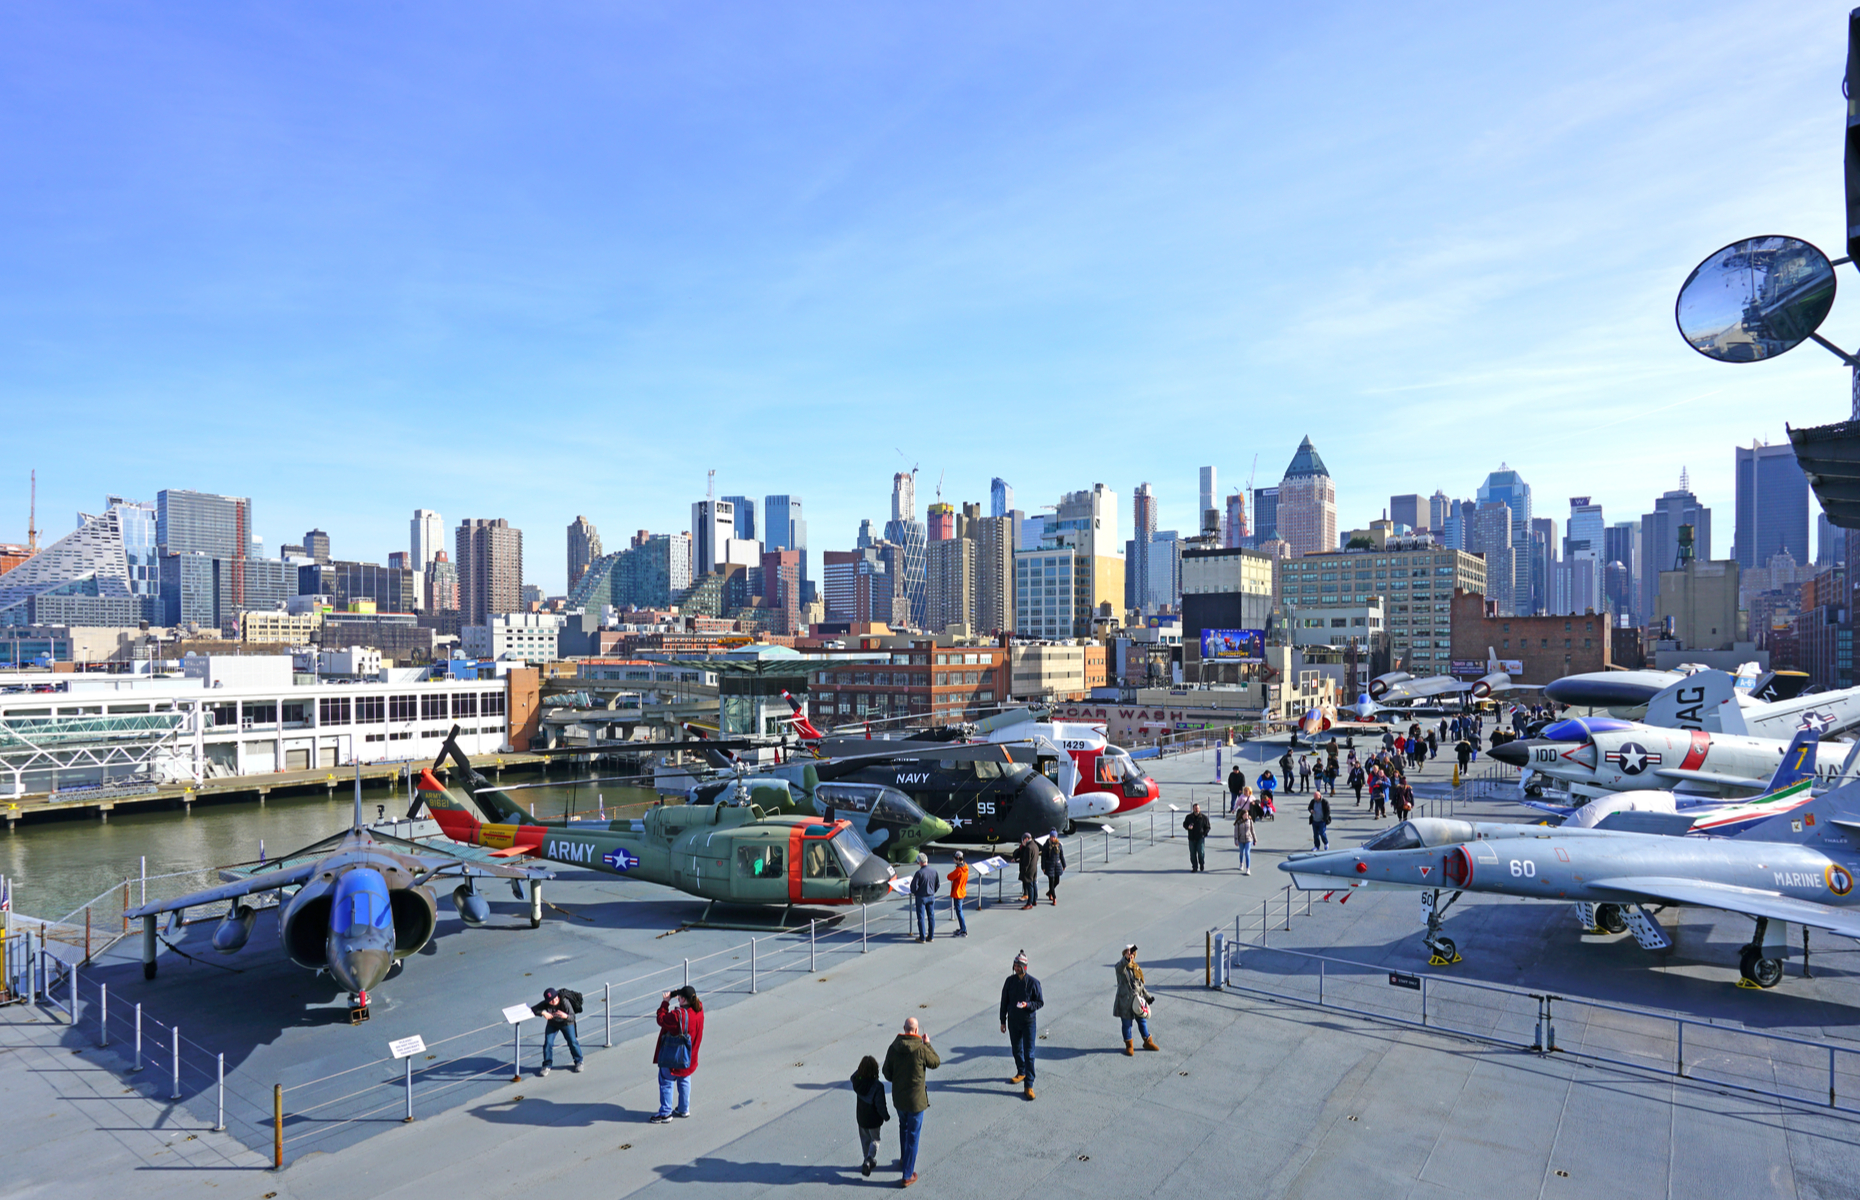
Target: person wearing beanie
point(1021, 1001)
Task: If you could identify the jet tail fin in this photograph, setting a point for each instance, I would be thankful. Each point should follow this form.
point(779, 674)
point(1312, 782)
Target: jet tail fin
point(1798, 761)
point(1830, 817)
point(801, 724)
point(1688, 703)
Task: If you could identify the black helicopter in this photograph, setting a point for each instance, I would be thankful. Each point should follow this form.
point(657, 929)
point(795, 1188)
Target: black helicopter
point(990, 792)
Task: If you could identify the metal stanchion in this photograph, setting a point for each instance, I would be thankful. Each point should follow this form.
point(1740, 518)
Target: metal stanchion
point(812, 964)
point(176, 1031)
point(220, 1125)
point(277, 1126)
point(607, 1006)
point(138, 1065)
point(409, 1117)
point(516, 1052)
point(687, 972)
point(103, 993)
point(752, 966)
point(863, 909)
point(1107, 844)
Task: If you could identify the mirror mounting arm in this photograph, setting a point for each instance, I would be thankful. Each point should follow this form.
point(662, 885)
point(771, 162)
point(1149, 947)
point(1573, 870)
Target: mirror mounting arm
point(1835, 350)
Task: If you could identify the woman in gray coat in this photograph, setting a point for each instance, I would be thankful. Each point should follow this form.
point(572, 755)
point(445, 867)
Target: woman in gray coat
point(1133, 1001)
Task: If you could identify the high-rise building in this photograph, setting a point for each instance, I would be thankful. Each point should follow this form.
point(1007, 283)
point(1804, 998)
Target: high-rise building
point(1410, 510)
point(1659, 540)
point(1234, 530)
point(1487, 531)
point(208, 529)
point(426, 537)
point(1772, 505)
point(781, 588)
point(1265, 515)
point(1508, 487)
point(1143, 528)
point(1621, 548)
point(1164, 579)
point(1439, 508)
point(941, 526)
point(649, 573)
point(316, 545)
point(1000, 497)
point(1542, 550)
point(584, 546)
point(745, 518)
point(713, 525)
point(784, 528)
point(1088, 521)
point(949, 583)
point(81, 579)
point(1307, 505)
point(994, 572)
point(441, 584)
point(488, 556)
point(1414, 580)
point(1830, 543)
point(907, 533)
point(1584, 547)
point(1210, 489)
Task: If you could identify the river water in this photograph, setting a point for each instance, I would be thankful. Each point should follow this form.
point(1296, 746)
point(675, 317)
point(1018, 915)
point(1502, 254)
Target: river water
point(55, 866)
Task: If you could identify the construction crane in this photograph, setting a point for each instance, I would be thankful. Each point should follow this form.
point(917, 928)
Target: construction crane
point(32, 517)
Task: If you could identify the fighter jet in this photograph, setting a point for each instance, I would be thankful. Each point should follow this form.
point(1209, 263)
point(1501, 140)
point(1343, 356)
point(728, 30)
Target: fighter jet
point(362, 903)
point(1797, 867)
point(1400, 685)
point(1592, 756)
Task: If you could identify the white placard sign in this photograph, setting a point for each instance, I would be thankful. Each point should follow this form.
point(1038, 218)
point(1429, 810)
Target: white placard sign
point(518, 1012)
point(407, 1047)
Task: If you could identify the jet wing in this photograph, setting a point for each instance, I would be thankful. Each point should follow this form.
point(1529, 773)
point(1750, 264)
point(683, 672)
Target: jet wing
point(1555, 810)
point(1736, 781)
point(1749, 901)
point(264, 881)
point(1666, 824)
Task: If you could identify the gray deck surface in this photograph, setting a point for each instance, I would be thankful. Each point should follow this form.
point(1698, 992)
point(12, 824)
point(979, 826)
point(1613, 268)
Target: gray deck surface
point(1250, 1096)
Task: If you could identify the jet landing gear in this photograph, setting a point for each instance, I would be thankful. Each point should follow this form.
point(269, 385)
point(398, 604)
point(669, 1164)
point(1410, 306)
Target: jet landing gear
point(1757, 970)
point(1443, 952)
point(1608, 918)
point(358, 1008)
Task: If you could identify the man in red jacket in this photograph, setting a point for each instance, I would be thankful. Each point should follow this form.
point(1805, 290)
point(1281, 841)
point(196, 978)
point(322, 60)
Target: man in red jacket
point(681, 1032)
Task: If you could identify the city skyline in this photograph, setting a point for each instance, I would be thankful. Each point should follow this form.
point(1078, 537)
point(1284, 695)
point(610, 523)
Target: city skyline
point(860, 230)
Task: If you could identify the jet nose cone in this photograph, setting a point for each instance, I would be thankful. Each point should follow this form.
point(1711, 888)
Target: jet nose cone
point(1512, 754)
point(936, 829)
point(360, 970)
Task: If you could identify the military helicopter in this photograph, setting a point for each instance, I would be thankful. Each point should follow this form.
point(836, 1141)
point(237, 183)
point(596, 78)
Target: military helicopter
point(362, 904)
point(990, 792)
point(726, 853)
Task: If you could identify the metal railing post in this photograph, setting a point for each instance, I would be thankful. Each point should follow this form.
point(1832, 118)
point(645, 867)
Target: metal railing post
point(752, 966)
point(863, 910)
point(1830, 1076)
point(103, 993)
point(176, 1031)
point(812, 963)
point(1081, 853)
point(409, 1117)
point(1423, 999)
point(1265, 922)
point(1679, 1053)
point(1288, 908)
point(219, 1126)
point(1320, 983)
point(607, 1008)
point(277, 1127)
point(516, 1052)
point(1307, 904)
point(138, 1065)
point(687, 972)
point(1107, 844)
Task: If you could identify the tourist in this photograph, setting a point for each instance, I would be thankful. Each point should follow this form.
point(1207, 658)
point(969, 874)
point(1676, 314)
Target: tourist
point(905, 1063)
point(923, 898)
point(1021, 1001)
point(869, 1111)
point(1027, 857)
point(681, 1033)
point(1320, 821)
point(558, 1008)
point(1198, 827)
point(1132, 1005)
point(1053, 863)
point(958, 892)
point(1244, 834)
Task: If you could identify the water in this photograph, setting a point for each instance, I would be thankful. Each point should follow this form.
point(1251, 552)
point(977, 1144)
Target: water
point(55, 866)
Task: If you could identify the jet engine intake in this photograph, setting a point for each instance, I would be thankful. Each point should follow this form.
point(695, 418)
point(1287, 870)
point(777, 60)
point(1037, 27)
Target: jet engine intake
point(416, 915)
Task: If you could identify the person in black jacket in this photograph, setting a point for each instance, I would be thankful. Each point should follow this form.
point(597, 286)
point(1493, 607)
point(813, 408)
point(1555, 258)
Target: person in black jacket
point(1053, 863)
point(1320, 821)
point(869, 1110)
point(1198, 827)
point(1236, 780)
point(1027, 857)
point(1021, 1000)
point(560, 1013)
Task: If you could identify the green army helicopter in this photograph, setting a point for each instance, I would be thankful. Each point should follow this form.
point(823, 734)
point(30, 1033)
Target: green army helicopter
point(726, 853)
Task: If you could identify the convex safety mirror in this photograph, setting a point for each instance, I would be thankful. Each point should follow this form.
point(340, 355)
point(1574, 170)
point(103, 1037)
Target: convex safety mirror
point(1755, 299)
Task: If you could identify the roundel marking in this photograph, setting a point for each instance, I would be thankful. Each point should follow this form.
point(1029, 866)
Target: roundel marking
point(1840, 879)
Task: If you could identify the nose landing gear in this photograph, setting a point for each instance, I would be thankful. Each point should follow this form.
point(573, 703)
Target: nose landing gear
point(1443, 951)
point(1756, 970)
point(358, 1008)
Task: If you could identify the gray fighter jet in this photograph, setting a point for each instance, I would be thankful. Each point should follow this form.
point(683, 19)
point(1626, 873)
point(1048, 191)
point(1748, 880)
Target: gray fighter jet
point(1796, 867)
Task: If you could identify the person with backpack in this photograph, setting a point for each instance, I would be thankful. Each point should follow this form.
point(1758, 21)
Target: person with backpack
point(1053, 863)
point(923, 898)
point(1320, 821)
point(869, 1111)
point(1244, 835)
point(958, 892)
point(681, 1032)
point(558, 1008)
point(909, 1057)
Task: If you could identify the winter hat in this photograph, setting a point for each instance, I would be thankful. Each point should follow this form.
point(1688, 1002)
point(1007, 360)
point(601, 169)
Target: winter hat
point(1020, 960)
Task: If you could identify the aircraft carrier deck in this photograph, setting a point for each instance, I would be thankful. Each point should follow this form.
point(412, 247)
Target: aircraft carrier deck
point(1251, 1095)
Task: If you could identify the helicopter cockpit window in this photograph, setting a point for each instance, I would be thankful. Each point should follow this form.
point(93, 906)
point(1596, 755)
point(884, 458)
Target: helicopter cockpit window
point(1108, 770)
point(759, 862)
point(1403, 837)
point(894, 807)
point(846, 799)
point(818, 860)
point(851, 852)
point(988, 770)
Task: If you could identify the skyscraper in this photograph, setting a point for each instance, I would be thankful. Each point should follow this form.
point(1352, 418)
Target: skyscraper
point(1410, 510)
point(316, 545)
point(1621, 547)
point(994, 572)
point(203, 529)
point(1210, 487)
point(488, 556)
point(1659, 540)
point(1487, 531)
point(584, 546)
point(1307, 508)
point(781, 588)
point(1772, 505)
point(907, 533)
point(1087, 520)
point(441, 584)
point(1439, 508)
point(1235, 532)
point(1000, 497)
point(942, 523)
point(1508, 487)
point(783, 528)
point(426, 537)
point(949, 583)
point(745, 517)
point(1265, 514)
point(713, 525)
point(1143, 517)
point(1584, 545)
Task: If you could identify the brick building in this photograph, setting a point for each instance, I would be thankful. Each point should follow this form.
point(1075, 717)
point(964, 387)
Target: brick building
point(1549, 647)
point(932, 684)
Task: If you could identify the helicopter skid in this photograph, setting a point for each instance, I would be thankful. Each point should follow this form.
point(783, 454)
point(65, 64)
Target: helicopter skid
point(784, 923)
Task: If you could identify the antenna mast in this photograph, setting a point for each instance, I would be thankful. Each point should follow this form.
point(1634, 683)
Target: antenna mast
point(32, 517)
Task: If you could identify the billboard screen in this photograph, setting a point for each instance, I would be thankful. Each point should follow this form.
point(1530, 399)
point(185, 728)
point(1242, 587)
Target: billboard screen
point(1233, 645)
point(1477, 667)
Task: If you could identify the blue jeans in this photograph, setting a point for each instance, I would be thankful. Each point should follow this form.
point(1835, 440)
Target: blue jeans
point(1246, 856)
point(1320, 837)
point(1142, 1024)
point(670, 1087)
point(926, 915)
point(962, 921)
point(568, 1035)
point(910, 1129)
point(1023, 1035)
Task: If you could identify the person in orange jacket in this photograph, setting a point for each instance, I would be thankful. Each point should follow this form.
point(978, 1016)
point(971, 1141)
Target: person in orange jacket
point(958, 892)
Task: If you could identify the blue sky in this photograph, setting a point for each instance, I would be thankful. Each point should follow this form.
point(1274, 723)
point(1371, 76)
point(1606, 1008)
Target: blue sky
point(546, 260)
